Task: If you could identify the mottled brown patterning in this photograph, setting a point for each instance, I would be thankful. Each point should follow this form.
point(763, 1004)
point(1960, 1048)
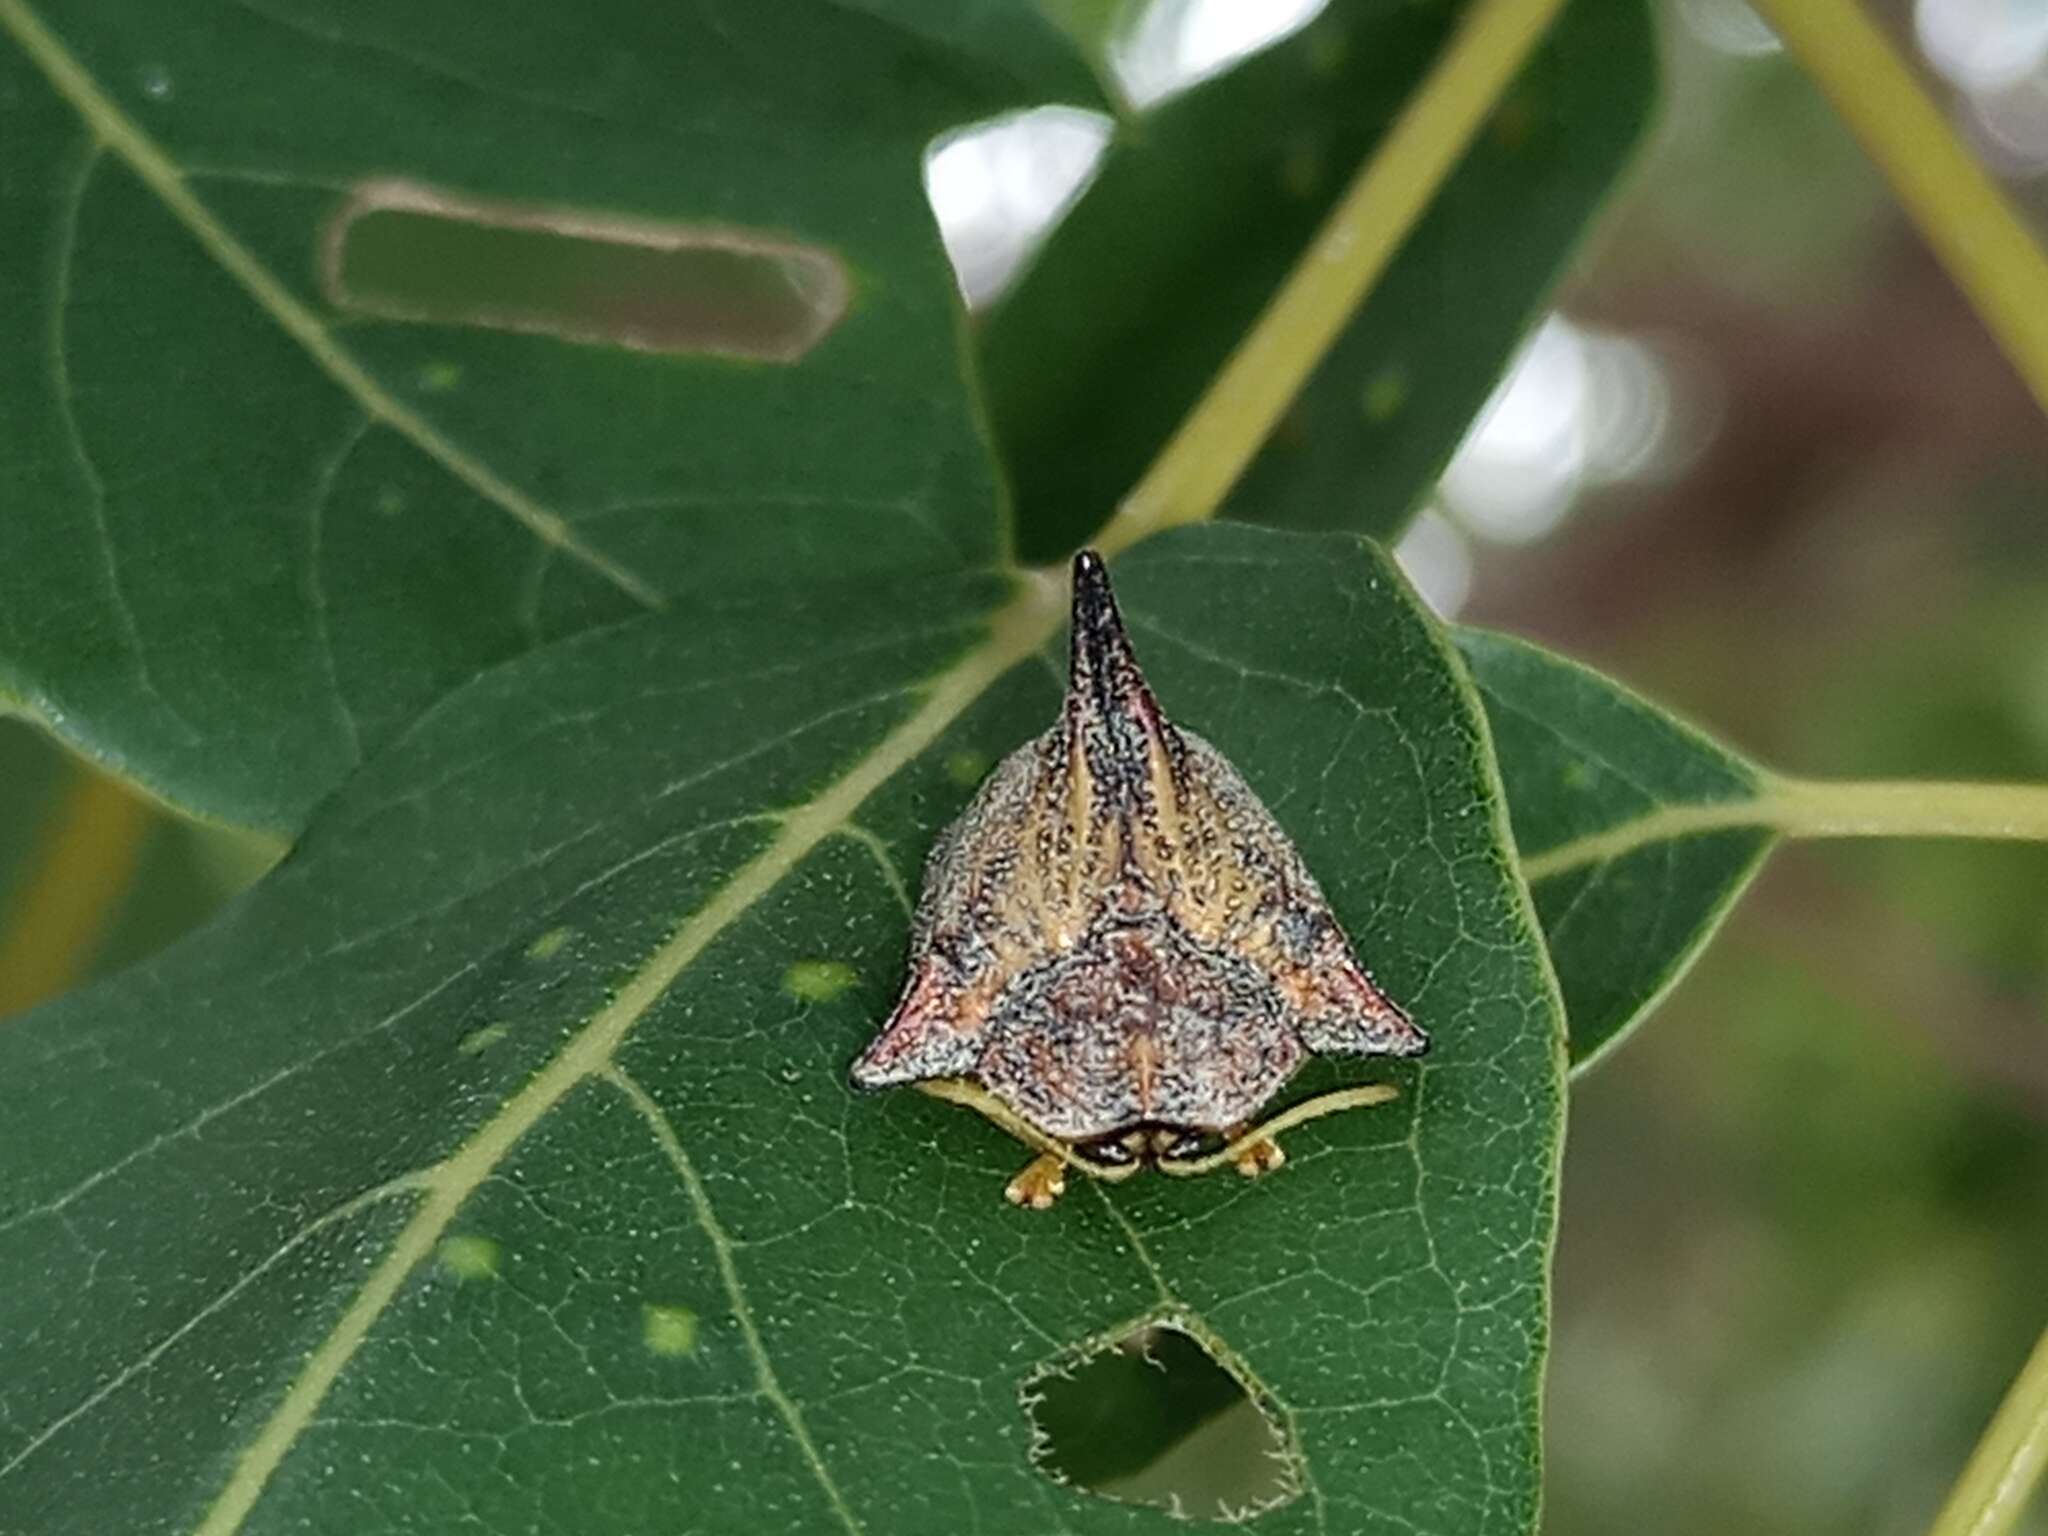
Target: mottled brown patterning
point(1118, 943)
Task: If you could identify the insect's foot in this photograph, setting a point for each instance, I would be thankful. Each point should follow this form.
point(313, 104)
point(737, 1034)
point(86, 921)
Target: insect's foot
point(1041, 1183)
point(1261, 1157)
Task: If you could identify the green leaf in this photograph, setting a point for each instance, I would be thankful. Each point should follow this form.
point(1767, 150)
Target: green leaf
point(492, 1166)
point(1629, 826)
point(249, 533)
point(1202, 205)
point(1093, 25)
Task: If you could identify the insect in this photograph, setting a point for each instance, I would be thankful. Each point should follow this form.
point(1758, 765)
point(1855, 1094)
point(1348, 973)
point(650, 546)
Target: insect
point(1118, 956)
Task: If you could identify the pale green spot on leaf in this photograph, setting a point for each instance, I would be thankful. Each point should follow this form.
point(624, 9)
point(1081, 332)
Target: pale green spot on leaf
point(483, 1039)
point(967, 769)
point(550, 944)
point(469, 1257)
point(1385, 393)
point(818, 981)
point(668, 1330)
point(439, 378)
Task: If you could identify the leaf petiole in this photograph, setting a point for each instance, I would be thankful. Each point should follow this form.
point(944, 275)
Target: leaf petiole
point(2004, 1470)
point(1954, 201)
point(1823, 808)
point(1217, 440)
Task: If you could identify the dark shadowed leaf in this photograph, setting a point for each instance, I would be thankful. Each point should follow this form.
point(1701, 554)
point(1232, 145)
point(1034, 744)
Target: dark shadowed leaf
point(1202, 205)
point(249, 531)
point(491, 1165)
point(1629, 882)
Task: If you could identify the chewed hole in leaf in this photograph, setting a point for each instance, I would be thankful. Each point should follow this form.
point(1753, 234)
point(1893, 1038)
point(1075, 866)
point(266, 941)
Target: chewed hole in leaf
point(403, 251)
point(1155, 1418)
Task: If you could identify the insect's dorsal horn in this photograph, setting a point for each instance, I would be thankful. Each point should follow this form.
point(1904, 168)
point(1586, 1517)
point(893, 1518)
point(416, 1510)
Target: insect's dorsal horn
point(1110, 708)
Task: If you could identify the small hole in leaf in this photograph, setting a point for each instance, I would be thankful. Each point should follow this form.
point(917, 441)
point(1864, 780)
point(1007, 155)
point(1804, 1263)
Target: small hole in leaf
point(1154, 1418)
point(408, 252)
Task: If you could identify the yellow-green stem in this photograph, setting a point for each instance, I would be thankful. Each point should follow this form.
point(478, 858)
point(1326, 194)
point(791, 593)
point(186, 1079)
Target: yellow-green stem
point(1958, 207)
point(2006, 1467)
point(1217, 439)
point(1907, 808)
point(1822, 808)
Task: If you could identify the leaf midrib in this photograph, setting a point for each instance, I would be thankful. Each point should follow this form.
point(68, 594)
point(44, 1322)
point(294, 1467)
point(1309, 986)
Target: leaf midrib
point(1015, 633)
point(1667, 823)
point(1809, 808)
point(154, 167)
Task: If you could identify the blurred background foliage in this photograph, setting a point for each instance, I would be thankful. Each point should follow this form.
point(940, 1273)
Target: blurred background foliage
point(1806, 1209)
point(1763, 463)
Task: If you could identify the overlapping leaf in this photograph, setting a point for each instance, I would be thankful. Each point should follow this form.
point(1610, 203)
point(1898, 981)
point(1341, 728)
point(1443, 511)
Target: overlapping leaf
point(1203, 204)
point(249, 535)
point(492, 1164)
point(1629, 882)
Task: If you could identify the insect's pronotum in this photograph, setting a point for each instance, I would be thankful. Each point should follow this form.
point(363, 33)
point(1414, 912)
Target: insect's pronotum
point(1118, 955)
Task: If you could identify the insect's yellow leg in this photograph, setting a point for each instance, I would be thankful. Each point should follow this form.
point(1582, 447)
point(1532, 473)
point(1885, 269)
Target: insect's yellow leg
point(1257, 1150)
point(1040, 1184)
point(1043, 1180)
point(1258, 1156)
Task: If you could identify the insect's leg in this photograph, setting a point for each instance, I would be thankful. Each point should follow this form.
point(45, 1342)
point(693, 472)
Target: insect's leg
point(1054, 1155)
point(1043, 1180)
point(1257, 1150)
point(1261, 1154)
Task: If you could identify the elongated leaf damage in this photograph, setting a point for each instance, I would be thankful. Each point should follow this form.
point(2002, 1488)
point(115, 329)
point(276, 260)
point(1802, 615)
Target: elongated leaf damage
point(400, 250)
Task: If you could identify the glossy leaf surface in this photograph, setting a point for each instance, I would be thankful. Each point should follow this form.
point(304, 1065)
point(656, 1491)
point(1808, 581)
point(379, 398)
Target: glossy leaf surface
point(492, 1161)
point(251, 531)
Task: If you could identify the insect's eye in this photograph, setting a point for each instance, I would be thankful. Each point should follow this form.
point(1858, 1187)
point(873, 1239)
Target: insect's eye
point(1187, 1144)
point(1114, 1154)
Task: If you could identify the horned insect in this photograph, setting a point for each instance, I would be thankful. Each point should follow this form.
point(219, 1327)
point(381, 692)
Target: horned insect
point(1118, 955)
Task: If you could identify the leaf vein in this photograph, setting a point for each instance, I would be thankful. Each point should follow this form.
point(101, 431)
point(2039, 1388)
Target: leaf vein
point(158, 1350)
point(64, 396)
point(1668, 823)
point(199, 1121)
point(729, 1274)
point(891, 876)
point(1014, 632)
point(316, 594)
point(157, 171)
